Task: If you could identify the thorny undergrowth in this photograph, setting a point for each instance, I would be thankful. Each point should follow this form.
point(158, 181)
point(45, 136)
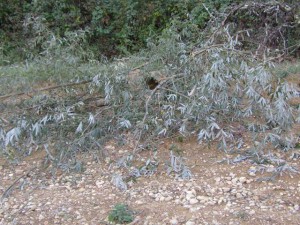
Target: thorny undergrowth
point(202, 89)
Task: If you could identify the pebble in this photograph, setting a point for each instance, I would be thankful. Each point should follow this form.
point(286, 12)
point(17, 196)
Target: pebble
point(263, 207)
point(243, 179)
point(202, 198)
point(234, 181)
point(41, 217)
point(226, 189)
point(190, 223)
point(139, 202)
point(99, 184)
point(252, 212)
point(252, 174)
point(239, 195)
point(18, 171)
point(169, 198)
point(189, 196)
point(174, 221)
point(221, 200)
point(218, 179)
point(193, 201)
point(177, 201)
point(221, 190)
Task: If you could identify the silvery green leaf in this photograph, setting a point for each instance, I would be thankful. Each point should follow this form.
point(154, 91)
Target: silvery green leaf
point(262, 101)
point(117, 180)
point(186, 173)
point(222, 133)
point(23, 124)
point(135, 173)
point(45, 119)
point(163, 132)
point(182, 108)
point(108, 89)
point(36, 128)
point(204, 135)
point(125, 124)
point(172, 97)
point(148, 162)
point(91, 119)
point(182, 129)
point(213, 126)
point(12, 136)
point(79, 128)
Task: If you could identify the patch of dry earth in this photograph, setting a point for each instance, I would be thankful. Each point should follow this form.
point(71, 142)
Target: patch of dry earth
point(217, 193)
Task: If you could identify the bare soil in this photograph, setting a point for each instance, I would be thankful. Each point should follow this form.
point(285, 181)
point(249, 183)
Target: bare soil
point(218, 193)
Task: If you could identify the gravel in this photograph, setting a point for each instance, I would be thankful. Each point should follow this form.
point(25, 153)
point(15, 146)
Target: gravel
point(218, 197)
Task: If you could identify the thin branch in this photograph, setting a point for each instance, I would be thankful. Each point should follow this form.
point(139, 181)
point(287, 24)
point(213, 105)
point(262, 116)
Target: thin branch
point(3, 97)
point(200, 51)
point(44, 89)
point(140, 66)
point(147, 111)
point(225, 20)
point(9, 189)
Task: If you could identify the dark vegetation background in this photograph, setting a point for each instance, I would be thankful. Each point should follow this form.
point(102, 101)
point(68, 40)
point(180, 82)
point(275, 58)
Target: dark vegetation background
point(116, 26)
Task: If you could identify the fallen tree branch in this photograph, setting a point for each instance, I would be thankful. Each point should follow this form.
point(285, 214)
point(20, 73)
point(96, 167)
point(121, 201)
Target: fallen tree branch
point(3, 97)
point(44, 89)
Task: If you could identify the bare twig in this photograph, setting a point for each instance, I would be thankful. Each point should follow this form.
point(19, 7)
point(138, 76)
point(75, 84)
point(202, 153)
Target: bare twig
point(147, 111)
point(9, 189)
point(225, 20)
point(200, 51)
point(4, 120)
point(140, 66)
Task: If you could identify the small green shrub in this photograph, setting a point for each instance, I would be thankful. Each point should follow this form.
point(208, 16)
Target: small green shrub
point(121, 214)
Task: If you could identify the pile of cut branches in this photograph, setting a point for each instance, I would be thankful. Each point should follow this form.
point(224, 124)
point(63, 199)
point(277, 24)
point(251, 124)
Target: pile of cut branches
point(173, 87)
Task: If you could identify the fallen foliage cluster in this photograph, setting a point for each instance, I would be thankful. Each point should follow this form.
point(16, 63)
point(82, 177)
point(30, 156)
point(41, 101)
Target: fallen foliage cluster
point(211, 88)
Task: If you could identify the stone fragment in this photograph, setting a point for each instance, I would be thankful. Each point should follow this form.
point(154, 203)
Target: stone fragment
point(190, 222)
point(174, 221)
point(218, 179)
point(193, 201)
point(139, 202)
point(99, 184)
point(189, 196)
point(202, 198)
point(41, 217)
point(252, 212)
point(169, 198)
point(234, 181)
point(226, 189)
point(243, 180)
point(239, 195)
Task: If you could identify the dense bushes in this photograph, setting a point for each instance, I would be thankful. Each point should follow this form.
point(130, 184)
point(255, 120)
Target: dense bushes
point(117, 26)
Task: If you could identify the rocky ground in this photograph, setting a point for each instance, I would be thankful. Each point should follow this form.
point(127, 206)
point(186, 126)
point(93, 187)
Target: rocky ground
point(218, 193)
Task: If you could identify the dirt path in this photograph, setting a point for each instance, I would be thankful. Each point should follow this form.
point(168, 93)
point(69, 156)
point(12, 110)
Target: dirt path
point(217, 193)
